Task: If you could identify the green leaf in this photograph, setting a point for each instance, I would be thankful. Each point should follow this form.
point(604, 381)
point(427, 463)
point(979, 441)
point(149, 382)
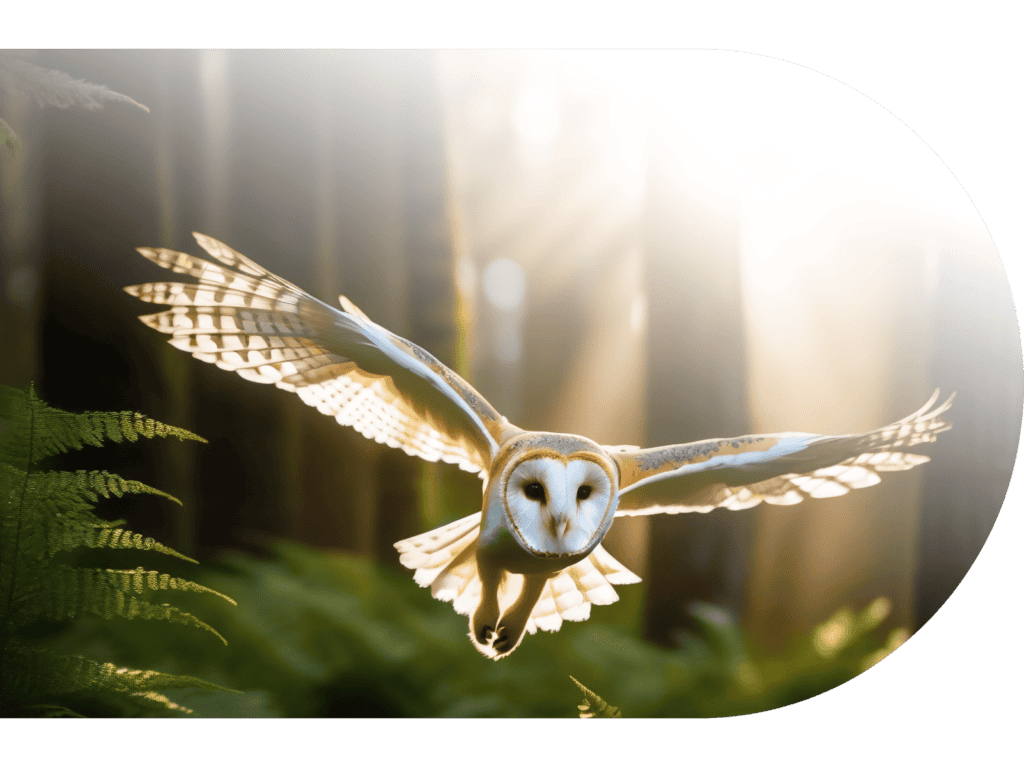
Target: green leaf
point(45, 513)
point(67, 500)
point(594, 706)
point(37, 430)
point(68, 592)
point(43, 672)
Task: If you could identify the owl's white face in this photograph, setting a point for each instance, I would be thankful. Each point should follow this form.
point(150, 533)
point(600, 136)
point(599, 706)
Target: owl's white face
point(559, 505)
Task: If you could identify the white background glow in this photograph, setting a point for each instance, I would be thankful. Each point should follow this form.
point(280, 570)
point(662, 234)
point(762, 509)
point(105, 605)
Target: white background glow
point(504, 283)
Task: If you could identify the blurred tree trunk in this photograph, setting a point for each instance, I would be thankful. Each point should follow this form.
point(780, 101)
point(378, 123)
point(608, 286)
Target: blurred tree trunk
point(383, 238)
point(20, 262)
point(357, 253)
point(176, 379)
point(978, 355)
point(87, 338)
point(840, 344)
point(428, 251)
point(696, 353)
point(208, 72)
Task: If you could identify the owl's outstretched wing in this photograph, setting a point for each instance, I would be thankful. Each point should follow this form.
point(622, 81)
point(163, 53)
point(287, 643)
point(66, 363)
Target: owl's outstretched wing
point(243, 318)
point(779, 469)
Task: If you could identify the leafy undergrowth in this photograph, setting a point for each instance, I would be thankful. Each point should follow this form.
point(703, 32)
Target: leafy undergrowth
point(328, 634)
point(46, 524)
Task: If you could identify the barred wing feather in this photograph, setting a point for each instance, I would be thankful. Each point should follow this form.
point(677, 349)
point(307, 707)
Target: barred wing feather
point(241, 317)
point(779, 469)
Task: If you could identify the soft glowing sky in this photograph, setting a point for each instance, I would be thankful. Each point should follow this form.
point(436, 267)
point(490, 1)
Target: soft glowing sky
point(767, 127)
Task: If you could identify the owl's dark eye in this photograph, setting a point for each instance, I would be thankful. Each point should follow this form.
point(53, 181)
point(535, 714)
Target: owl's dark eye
point(534, 491)
point(583, 493)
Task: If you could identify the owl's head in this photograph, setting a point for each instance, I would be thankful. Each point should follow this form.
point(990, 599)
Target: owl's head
point(559, 494)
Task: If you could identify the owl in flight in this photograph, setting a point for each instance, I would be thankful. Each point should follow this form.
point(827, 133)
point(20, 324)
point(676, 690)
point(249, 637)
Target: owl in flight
point(532, 556)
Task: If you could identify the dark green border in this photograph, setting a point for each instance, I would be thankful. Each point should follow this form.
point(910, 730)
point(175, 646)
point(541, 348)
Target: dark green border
point(951, 72)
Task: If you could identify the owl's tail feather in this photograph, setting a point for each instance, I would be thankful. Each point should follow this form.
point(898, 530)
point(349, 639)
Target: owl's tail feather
point(568, 595)
point(445, 560)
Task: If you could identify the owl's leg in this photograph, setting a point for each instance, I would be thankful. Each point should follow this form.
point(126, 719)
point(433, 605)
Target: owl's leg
point(513, 622)
point(485, 617)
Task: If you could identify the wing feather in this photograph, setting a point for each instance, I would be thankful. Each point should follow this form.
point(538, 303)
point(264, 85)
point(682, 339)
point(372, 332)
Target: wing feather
point(242, 318)
point(778, 469)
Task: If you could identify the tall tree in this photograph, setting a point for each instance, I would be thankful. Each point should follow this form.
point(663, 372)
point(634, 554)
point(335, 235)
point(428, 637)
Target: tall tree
point(696, 384)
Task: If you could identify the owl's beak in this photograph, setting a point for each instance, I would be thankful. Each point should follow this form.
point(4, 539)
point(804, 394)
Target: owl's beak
point(558, 526)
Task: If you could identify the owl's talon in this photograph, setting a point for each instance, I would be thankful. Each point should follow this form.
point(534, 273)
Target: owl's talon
point(501, 641)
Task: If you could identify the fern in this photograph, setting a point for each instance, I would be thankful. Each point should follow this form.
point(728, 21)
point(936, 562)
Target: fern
point(594, 706)
point(46, 513)
point(49, 673)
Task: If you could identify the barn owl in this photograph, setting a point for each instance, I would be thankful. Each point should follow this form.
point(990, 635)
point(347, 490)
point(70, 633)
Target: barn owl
point(531, 558)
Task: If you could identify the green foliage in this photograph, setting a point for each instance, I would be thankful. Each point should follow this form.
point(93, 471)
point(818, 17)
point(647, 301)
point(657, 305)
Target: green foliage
point(9, 138)
point(45, 673)
point(594, 705)
point(44, 514)
point(330, 634)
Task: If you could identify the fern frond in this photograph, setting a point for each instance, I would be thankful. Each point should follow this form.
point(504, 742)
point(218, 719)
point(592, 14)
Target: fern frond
point(67, 535)
point(49, 87)
point(103, 537)
point(594, 706)
point(79, 490)
point(162, 701)
point(67, 592)
point(103, 483)
point(38, 430)
point(44, 513)
point(67, 499)
point(45, 673)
